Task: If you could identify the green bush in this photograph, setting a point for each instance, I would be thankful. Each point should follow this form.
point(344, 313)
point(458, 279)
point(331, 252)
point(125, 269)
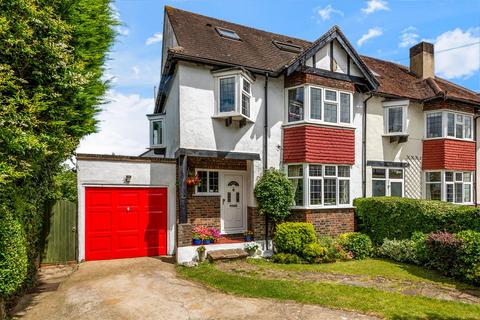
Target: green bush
point(357, 243)
point(314, 253)
point(274, 194)
point(468, 262)
point(398, 218)
point(292, 237)
point(286, 258)
point(443, 249)
point(410, 250)
point(13, 255)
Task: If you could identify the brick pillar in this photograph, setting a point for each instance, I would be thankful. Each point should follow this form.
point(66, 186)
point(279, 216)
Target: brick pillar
point(184, 234)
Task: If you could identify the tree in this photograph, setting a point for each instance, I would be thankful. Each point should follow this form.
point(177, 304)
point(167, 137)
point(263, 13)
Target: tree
point(52, 55)
point(274, 194)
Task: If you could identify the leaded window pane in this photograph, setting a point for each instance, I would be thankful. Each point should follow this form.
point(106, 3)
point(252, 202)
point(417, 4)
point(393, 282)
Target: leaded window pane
point(395, 173)
point(345, 107)
point(396, 189)
point(344, 191)
point(434, 176)
point(203, 187)
point(379, 188)
point(316, 103)
point(378, 173)
point(298, 191)
point(315, 170)
point(434, 191)
point(449, 192)
point(451, 124)
point(468, 127)
point(330, 171)
point(458, 192)
point(315, 191)
point(330, 112)
point(395, 119)
point(227, 94)
point(213, 181)
point(295, 170)
point(330, 95)
point(330, 192)
point(343, 171)
point(434, 125)
point(295, 104)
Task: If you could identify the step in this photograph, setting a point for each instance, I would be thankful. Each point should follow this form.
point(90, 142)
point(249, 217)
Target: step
point(226, 254)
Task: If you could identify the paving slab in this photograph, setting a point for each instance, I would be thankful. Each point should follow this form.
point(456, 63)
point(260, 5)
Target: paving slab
point(147, 288)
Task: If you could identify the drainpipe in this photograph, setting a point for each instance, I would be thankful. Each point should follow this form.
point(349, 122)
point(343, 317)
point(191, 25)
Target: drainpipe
point(364, 147)
point(265, 148)
point(475, 174)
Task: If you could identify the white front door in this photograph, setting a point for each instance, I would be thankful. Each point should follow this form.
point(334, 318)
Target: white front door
point(232, 204)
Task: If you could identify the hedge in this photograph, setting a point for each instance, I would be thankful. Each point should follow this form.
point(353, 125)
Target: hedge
point(398, 218)
point(292, 237)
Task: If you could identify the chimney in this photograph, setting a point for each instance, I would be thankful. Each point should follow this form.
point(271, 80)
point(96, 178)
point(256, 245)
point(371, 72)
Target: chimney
point(422, 60)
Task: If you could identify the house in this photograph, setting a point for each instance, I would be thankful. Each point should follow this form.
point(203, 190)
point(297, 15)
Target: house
point(234, 101)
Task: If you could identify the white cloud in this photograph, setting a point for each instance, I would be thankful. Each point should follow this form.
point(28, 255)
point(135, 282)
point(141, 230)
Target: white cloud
point(375, 5)
point(326, 12)
point(123, 31)
point(372, 33)
point(123, 126)
point(132, 69)
point(157, 37)
point(408, 37)
point(457, 63)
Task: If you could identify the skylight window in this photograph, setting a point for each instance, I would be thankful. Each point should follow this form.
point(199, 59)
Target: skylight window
point(226, 33)
point(287, 46)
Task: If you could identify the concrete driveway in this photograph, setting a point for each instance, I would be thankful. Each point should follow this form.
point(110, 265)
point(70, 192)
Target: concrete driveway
point(147, 288)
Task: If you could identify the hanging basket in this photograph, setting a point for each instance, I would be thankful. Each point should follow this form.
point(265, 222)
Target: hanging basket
point(193, 181)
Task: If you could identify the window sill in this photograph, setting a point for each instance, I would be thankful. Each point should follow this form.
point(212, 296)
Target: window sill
point(323, 207)
point(321, 124)
point(156, 146)
point(396, 134)
point(234, 115)
point(448, 138)
point(206, 194)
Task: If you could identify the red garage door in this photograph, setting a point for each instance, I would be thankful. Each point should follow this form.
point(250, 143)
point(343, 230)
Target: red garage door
point(125, 222)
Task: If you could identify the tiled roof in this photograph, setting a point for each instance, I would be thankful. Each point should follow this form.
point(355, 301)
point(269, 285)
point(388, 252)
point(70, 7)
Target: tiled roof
point(197, 38)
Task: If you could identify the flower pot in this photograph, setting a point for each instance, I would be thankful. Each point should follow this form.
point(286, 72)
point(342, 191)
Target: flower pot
point(248, 238)
point(201, 256)
point(197, 241)
point(207, 241)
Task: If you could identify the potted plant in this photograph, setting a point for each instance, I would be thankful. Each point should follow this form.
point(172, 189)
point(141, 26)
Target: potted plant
point(214, 233)
point(248, 235)
point(196, 239)
point(201, 253)
point(251, 249)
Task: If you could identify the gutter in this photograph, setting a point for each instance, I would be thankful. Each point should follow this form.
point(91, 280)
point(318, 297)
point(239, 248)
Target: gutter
point(364, 147)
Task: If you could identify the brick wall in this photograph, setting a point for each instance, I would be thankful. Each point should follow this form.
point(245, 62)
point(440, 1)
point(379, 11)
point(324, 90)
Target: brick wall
point(448, 104)
point(184, 234)
point(449, 154)
point(331, 222)
point(299, 78)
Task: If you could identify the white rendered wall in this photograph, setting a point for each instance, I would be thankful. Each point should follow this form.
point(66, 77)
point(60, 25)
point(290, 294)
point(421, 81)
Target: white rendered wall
point(172, 119)
point(112, 173)
point(379, 147)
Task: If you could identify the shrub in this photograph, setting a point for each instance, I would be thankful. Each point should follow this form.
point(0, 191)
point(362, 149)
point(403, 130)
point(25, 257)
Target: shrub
point(292, 237)
point(411, 251)
point(468, 262)
point(13, 255)
point(314, 253)
point(286, 258)
point(358, 244)
point(274, 194)
point(399, 218)
point(442, 250)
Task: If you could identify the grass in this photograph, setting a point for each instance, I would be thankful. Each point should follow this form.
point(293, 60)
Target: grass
point(360, 299)
point(371, 268)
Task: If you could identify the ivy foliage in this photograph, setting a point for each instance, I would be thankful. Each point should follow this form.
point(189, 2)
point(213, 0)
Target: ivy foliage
point(274, 194)
point(52, 55)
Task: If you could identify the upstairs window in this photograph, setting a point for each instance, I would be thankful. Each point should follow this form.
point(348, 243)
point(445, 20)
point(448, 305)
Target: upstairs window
point(395, 117)
point(439, 124)
point(157, 130)
point(316, 104)
point(233, 95)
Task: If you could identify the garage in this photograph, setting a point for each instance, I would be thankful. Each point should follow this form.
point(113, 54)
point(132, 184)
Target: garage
point(126, 206)
point(125, 222)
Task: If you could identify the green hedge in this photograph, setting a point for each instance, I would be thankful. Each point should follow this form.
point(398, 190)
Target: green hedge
point(292, 237)
point(13, 255)
point(398, 218)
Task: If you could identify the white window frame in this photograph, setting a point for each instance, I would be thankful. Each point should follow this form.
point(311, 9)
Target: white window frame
point(444, 183)
point(307, 117)
point(239, 76)
point(388, 180)
point(395, 104)
point(306, 185)
point(157, 118)
point(445, 135)
point(208, 193)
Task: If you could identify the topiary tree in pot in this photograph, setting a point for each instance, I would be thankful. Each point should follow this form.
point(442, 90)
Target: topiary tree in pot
point(274, 194)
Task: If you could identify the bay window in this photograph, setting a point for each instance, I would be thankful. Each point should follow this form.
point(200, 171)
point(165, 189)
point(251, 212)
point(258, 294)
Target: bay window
point(446, 124)
point(395, 115)
point(157, 129)
point(449, 186)
point(233, 94)
point(318, 104)
point(319, 185)
point(387, 182)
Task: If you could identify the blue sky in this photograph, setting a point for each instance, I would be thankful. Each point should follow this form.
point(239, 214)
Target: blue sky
point(385, 29)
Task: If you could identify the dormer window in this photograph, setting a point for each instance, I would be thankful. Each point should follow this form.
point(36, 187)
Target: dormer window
point(157, 130)
point(395, 115)
point(233, 95)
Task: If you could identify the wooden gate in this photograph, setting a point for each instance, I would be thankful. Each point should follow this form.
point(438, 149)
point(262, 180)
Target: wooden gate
point(61, 240)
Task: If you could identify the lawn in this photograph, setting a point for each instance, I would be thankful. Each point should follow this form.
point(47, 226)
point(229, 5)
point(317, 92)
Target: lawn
point(391, 305)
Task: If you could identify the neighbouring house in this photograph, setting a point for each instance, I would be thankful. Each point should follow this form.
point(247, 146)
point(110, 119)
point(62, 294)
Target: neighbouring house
point(234, 100)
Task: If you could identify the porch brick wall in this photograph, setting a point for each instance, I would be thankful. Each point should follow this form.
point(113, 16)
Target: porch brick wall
point(330, 222)
point(184, 234)
point(204, 210)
